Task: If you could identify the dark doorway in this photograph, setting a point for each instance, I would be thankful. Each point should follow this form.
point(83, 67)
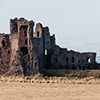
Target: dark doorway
point(24, 50)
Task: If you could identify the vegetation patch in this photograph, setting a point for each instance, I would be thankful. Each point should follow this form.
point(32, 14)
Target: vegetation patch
point(71, 73)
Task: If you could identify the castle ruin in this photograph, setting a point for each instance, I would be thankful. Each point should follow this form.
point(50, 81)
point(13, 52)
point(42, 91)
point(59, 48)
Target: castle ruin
point(25, 51)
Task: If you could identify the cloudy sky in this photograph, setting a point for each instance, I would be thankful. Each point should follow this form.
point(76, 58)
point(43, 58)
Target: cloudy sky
point(75, 23)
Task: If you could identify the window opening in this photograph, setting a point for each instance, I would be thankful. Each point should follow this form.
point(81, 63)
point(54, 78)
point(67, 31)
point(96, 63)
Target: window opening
point(24, 50)
point(66, 60)
point(38, 34)
point(3, 42)
point(8, 52)
point(25, 33)
point(46, 52)
point(26, 41)
point(35, 64)
point(56, 60)
point(89, 60)
point(73, 60)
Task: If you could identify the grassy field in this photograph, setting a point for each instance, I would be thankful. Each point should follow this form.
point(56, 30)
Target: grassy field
point(52, 85)
point(37, 91)
point(57, 76)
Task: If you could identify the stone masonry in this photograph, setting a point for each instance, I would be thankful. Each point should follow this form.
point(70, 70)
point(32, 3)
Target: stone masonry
point(25, 52)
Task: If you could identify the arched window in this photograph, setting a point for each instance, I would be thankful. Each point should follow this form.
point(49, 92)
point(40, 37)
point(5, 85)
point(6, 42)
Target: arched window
point(88, 60)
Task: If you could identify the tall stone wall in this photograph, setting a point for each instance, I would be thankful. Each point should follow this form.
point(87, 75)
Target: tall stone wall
point(38, 39)
point(17, 52)
point(5, 53)
point(64, 59)
point(25, 60)
point(47, 47)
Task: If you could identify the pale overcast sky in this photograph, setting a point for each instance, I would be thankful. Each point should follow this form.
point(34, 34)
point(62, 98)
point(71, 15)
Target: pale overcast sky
point(75, 23)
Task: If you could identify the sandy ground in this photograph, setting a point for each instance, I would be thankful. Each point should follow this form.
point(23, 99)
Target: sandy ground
point(48, 91)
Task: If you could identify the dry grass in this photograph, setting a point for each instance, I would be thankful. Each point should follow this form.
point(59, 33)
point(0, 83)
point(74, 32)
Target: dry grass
point(62, 76)
point(49, 88)
point(45, 91)
point(40, 79)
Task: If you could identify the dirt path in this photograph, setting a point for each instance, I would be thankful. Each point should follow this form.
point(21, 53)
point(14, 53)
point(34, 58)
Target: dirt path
point(49, 91)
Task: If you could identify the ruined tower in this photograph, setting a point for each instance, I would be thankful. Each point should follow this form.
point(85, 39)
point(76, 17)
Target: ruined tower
point(18, 49)
point(24, 56)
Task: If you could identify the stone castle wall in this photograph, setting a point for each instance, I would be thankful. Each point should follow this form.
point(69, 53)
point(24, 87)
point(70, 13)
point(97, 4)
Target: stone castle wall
point(5, 53)
point(25, 51)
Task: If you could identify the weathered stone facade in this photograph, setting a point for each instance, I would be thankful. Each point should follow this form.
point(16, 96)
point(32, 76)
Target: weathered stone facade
point(16, 51)
point(24, 51)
